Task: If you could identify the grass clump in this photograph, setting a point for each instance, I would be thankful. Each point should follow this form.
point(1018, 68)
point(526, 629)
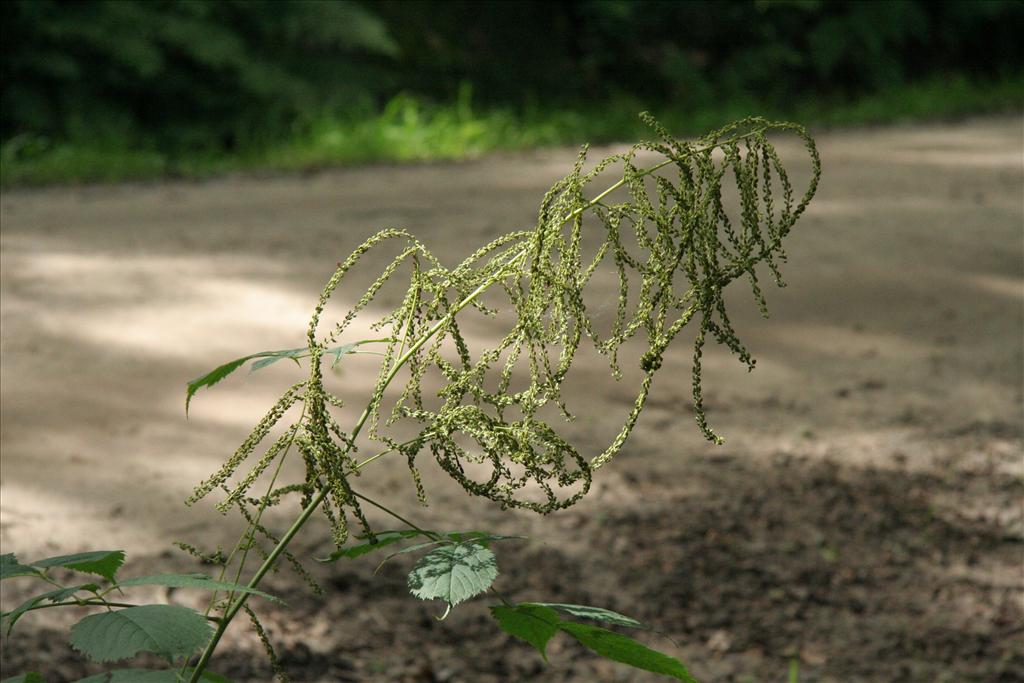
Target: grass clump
point(408, 129)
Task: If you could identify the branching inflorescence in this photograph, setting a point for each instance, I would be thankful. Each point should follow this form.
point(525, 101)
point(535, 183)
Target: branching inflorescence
point(661, 231)
point(674, 249)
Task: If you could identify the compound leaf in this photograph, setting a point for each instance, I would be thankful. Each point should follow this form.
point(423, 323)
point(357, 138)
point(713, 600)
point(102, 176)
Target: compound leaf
point(103, 563)
point(10, 567)
point(453, 573)
point(265, 358)
point(168, 630)
point(595, 614)
point(535, 624)
point(620, 648)
point(193, 581)
point(150, 676)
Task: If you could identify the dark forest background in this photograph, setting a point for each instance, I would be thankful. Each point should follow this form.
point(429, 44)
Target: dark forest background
point(105, 89)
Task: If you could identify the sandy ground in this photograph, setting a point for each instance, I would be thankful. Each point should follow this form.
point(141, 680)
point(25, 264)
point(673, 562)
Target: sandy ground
point(863, 518)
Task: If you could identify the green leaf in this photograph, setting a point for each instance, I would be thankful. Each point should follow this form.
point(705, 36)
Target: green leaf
point(594, 613)
point(30, 677)
point(409, 549)
point(265, 358)
point(533, 623)
point(339, 351)
point(384, 539)
point(103, 563)
point(10, 567)
point(620, 648)
point(150, 676)
point(51, 596)
point(193, 581)
point(483, 537)
point(453, 573)
point(212, 377)
point(272, 357)
point(168, 630)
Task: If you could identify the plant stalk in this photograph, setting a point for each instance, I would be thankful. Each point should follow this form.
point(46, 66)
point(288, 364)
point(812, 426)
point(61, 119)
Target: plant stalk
point(308, 511)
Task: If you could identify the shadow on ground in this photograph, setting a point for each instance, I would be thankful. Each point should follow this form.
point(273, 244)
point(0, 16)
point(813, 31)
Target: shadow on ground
point(858, 574)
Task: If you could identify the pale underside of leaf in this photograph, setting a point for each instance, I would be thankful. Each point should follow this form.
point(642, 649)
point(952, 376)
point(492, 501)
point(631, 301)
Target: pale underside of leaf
point(453, 573)
point(595, 614)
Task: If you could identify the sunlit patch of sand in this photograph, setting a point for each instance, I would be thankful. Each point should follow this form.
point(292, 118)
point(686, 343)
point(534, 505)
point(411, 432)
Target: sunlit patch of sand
point(1009, 287)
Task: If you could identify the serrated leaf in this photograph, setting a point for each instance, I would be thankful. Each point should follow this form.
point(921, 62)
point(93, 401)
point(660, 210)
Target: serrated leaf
point(265, 358)
point(168, 630)
point(151, 676)
point(624, 649)
point(103, 563)
point(10, 567)
point(384, 539)
point(453, 573)
point(51, 596)
point(595, 614)
point(201, 581)
point(211, 378)
point(30, 677)
point(533, 623)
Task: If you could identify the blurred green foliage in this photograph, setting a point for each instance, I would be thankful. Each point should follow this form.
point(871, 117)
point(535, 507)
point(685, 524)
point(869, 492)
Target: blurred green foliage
point(105, 89)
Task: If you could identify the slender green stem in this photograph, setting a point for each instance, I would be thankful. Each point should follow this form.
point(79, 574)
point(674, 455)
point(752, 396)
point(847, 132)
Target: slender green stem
point(501, 596)
point(307, 512)
point(267, 565)
point(248, 537)
point(429, 534)
point(366, 462)
point(53, 582)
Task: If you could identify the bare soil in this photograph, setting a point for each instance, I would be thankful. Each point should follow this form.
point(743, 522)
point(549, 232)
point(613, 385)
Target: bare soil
point(865, 517)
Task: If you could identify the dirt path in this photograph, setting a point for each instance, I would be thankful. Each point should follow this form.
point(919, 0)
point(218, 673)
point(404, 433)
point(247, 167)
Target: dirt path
point(865, 515)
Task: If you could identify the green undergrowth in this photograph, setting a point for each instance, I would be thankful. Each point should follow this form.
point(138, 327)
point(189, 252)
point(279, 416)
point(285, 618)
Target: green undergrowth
point(409, 130)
